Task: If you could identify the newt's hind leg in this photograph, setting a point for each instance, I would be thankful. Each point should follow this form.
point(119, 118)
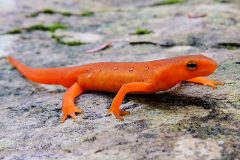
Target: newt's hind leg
point(126, 88)
point(205, 81)
point(69, 108)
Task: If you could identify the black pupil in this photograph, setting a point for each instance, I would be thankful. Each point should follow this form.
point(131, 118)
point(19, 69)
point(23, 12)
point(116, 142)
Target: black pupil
point(191, 65)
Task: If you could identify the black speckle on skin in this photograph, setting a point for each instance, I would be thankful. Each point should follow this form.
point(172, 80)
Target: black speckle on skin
point(237, 62)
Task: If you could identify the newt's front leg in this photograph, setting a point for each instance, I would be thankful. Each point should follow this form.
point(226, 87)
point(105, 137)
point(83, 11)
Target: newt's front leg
point(126, 88)
point(69, 108)
point(205, 81)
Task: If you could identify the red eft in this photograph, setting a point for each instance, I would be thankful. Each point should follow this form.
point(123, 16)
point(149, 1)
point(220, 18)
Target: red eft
point(121, 77)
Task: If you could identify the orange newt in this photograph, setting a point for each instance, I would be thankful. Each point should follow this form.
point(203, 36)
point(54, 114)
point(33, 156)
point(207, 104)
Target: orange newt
point(121, 77)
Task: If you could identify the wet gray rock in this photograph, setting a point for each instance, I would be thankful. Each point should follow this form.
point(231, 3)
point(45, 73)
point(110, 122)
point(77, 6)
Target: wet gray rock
point(187, 122)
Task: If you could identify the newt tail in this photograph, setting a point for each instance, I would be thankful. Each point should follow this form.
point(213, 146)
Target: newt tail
point(53, 76)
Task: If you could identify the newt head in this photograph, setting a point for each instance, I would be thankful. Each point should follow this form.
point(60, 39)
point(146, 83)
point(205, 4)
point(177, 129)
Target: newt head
point(195, 66)
point(200, 65)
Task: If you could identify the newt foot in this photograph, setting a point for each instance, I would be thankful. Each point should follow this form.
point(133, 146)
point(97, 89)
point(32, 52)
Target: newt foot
point(205, 81)
point(119, 114)
point(70, 112)
point(212, 83)
point(123, 113)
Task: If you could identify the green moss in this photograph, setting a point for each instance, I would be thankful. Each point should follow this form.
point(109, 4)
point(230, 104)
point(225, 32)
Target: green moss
point(87, 13)
point(45, 11)
point(90, 139)
point(61, 40)
point(71, 43)
point(168, 2)
point(56, 26)
point(64, 13)
point(40, 27)
point(142, 31)
point(50, 28)
point(49, 11)
point(223, 1)
point(35, 14)
point(14, 31)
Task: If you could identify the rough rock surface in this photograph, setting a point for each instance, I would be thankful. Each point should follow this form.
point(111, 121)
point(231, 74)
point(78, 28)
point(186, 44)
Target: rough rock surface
point(187, 122)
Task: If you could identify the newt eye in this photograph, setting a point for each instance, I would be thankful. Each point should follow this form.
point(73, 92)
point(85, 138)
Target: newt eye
point(191, 65)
